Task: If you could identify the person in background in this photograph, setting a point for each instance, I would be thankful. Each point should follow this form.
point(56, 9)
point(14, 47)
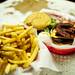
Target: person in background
point(2, 1)
point(72, 0)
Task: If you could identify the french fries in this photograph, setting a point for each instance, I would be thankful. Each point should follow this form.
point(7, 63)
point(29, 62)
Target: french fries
point(3, 64)
point(18, 46)
point(7, 69)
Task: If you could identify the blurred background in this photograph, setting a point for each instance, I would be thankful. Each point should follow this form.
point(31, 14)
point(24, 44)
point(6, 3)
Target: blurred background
point(37, 0)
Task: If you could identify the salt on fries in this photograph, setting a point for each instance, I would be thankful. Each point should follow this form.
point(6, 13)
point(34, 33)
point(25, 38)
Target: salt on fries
point(18, 47)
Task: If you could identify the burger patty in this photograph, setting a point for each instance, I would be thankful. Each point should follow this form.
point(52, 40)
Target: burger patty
point(65, 33)
point(66, 30)
point(62, 41)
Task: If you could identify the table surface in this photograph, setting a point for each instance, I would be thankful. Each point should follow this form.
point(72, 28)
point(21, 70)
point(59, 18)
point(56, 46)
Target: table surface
point(64, 63)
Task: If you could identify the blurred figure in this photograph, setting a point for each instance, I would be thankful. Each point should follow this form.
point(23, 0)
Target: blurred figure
point(72, 0)
point(2, 1)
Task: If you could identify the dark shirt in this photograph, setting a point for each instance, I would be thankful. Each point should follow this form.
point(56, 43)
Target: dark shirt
point(72, 0)
point(2, 1)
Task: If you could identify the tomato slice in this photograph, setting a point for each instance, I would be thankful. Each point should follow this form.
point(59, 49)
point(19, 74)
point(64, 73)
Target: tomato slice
point(60, 51)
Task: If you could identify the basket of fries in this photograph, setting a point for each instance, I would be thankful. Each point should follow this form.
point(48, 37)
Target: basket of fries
point(18, 47)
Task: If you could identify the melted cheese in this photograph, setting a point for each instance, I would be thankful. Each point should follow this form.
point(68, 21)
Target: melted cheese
point(53, 33)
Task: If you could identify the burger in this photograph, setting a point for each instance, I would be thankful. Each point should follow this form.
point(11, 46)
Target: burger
point(56, 30)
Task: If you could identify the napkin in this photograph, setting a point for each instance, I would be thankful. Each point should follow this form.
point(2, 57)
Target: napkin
point(45, 59)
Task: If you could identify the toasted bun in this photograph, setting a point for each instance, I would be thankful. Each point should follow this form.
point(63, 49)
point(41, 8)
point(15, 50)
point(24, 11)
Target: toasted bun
point(39, 20)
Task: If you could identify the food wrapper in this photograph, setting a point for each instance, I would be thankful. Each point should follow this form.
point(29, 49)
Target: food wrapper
point(44, 59)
